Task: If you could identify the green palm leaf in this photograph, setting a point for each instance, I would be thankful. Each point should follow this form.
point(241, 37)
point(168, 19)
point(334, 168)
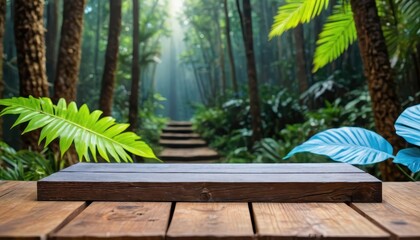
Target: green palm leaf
point(86, 129)
point(338, 33)
point(410, 10)
point(295, 12)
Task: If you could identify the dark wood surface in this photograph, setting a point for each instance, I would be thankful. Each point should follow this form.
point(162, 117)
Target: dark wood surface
point(22, 217)
point(214, 168)
point(212, 183)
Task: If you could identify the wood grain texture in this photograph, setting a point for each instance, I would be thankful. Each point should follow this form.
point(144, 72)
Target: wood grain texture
point(179, 136)
point(214, 168)
point(312, 220)
point(22, 217)
point(119, 220)
point(210, 192)
point(223, 178)
point(399, 213)
point(207, 182)
point(211, 221)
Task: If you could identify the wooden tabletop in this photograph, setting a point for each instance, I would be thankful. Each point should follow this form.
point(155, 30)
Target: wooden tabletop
point(21, 216)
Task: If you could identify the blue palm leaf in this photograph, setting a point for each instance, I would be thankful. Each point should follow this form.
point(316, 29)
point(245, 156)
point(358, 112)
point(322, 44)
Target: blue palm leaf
point(408, 125)
point(409, 157)
point(348, 144)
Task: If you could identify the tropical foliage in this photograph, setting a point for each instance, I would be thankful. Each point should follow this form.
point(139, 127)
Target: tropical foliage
point(400, 26)
point(338, 33)
point(90, 133)
point(360, 146)
point(25, 165)
point(295, 12)
point(192, 54)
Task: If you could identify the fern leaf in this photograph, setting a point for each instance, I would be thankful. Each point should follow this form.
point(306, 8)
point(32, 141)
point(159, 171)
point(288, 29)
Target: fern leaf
point(295, 12)
point(338, 34)
point(86, 130)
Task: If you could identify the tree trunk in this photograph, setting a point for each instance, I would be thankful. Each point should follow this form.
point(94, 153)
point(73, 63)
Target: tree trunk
point(135, 70)
point(30, 48)
point(67, 74)
point(111, 58)
point(2, 26)
point(300, 59)
point(221, 51)
point(264, 45)
point(229, 49)
point(377, 70)
point(51, 38)
point(252, 73)
point(97, 39)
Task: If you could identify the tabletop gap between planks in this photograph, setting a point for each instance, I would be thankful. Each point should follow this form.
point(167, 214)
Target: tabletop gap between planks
point(398, 213)
point(373, 221)
point(119, 220)
point(69, 218)
point(211, 221)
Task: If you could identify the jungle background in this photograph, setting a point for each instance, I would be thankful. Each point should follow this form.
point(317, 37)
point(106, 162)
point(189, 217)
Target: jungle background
point(252, 91)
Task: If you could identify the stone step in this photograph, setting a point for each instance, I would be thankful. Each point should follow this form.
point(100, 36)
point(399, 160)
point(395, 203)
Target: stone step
point(176, 143)
point(180, 136)
point(185, 155)
point(177, 130)
point(179, 124)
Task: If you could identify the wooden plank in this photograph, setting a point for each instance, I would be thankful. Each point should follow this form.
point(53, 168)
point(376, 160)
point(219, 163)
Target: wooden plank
point(189, 143)
point(191, 154)
point(213, 161)
point(312, 220)
point(119, 220)
point(177, 130)
point(284, 187)
point(214, 168)
point(399, 213)
point(211, 221)
point(179, 136)
point(24, 217)
point(304, 178)
point(7, 186)
point(209, 192)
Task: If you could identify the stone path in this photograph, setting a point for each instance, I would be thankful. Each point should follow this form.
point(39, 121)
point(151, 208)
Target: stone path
point(181, 144)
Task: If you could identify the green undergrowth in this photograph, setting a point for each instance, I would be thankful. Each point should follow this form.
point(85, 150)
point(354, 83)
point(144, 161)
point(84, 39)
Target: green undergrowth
point(286, 123)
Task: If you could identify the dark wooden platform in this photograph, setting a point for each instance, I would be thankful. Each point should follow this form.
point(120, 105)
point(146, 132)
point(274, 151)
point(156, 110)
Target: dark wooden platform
point(23, 217)
point(333, 182)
